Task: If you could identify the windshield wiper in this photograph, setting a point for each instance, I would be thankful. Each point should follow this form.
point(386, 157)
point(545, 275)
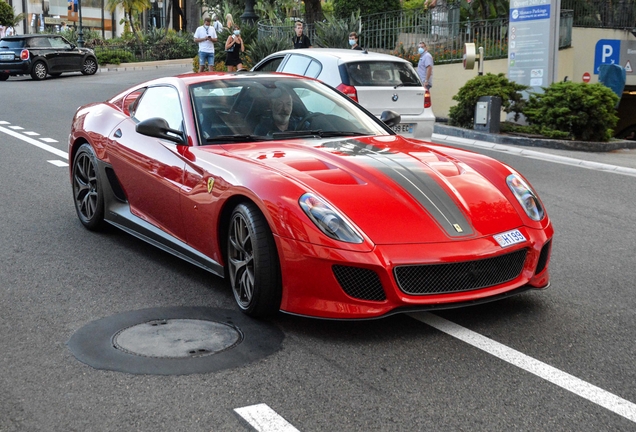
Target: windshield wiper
point(236, 138)
point(316, 133)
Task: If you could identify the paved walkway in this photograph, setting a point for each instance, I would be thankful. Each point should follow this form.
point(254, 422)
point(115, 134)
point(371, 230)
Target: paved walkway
point(178, 63)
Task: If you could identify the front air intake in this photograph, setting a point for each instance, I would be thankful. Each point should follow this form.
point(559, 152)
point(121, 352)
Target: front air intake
point(359, 282)
point(462, 276)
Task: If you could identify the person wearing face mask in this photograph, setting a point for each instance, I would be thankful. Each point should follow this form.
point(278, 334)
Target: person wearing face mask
point(205, 36)
point(353, 41)
point(425, 66)
point(234, 46)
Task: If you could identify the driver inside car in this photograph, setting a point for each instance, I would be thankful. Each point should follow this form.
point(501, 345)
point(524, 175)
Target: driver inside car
point(281, 120)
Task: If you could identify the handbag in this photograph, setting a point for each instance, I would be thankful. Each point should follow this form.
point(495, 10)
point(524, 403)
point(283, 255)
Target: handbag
point(230, 49)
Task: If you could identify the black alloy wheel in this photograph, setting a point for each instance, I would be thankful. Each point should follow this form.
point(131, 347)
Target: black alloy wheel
point(39, 71)
point(253, 262)
point(90, 66)
point(87, 189)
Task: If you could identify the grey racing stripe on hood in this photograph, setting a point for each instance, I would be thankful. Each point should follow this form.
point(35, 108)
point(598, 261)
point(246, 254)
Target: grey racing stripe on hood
point(410, 175)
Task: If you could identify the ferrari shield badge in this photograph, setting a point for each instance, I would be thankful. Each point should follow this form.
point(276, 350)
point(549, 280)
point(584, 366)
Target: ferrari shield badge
point(210, 184)
point(458, 228)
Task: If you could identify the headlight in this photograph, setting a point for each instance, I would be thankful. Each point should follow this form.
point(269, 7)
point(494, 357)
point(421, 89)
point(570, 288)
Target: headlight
point(328, 220)
point(526, 197)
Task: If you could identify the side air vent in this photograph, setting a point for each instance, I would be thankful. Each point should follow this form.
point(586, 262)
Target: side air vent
point(543, 257)
point(359, 282)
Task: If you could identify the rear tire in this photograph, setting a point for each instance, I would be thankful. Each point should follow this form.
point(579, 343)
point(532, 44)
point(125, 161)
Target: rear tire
point(253, 264)
point(87, 189)
point(39, 71)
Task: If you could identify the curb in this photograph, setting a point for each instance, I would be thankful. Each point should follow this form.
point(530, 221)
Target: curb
point(181, 63)
point(587, 146)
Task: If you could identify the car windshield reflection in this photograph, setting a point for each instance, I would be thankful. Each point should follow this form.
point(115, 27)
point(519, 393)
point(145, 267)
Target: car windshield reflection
point(262, 109)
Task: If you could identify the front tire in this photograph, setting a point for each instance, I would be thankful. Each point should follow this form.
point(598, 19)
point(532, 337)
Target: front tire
point(253, 262)
point(39, 71)
point(87, 189)
point(90, 66)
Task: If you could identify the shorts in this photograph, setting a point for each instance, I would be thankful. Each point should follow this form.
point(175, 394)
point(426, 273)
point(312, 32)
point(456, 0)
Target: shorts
point(203, 56)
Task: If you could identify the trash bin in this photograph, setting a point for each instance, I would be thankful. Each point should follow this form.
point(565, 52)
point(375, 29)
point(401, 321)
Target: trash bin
point(487, 114)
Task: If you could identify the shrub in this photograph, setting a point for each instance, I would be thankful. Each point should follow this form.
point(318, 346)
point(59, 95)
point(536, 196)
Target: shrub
point(334, 32)
point(261, 48)
point(579, 111)
point(113, 57)
point(463, 113)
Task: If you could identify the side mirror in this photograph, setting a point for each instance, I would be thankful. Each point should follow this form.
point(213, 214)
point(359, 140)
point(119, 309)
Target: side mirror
point(158, 128)
point(73, 46)
point(390, 118)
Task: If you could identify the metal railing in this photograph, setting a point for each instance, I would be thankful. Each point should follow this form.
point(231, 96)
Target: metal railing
point(399, 33)
point(617, 14)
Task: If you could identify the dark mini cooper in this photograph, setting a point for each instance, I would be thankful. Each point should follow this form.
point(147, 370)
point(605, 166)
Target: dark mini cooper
point(42, 55)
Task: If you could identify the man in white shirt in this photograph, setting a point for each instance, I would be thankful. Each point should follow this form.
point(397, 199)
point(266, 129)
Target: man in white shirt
point(218, 27)
point(205, 36)
point(425, 66)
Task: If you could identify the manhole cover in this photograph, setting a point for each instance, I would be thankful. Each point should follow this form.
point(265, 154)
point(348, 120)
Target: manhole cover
point(177, 338)
point(174, 341)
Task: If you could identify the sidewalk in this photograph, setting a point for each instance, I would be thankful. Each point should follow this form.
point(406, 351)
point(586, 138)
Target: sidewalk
point(177, 63)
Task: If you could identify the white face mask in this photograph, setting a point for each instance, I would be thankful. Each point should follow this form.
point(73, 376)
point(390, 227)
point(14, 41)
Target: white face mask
point(420, 50)
point(237, 32)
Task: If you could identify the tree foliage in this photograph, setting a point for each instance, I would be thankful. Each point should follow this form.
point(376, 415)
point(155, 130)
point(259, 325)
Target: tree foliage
point(334, 33)
point(8, 16)
point(131, 9)
point(344, 8)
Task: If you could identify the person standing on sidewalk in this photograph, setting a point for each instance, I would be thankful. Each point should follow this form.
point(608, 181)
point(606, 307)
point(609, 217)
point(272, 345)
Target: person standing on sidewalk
point(353, 41)
point(234, 47)
point(301, 40)
point(425, 66)
point(205, 36)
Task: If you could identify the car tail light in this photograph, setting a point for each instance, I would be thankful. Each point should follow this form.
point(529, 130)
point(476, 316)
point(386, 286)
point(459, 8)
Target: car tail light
point(24, 55)
point(349, 91)
point(427, 99)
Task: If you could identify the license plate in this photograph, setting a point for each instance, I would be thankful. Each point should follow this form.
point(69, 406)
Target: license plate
point(509, 238)
point(6, 56)
point(403, 128)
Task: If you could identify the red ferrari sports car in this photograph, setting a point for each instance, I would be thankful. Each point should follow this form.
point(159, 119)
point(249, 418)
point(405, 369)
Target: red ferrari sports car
point(307, 202)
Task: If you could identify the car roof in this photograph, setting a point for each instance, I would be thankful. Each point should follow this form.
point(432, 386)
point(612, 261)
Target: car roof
point(345, 55)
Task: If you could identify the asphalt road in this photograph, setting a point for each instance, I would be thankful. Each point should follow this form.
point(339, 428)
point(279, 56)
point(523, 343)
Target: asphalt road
point(561, 359)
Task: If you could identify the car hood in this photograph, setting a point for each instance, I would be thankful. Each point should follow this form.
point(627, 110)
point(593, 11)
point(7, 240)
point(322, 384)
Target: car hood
point(393, 189)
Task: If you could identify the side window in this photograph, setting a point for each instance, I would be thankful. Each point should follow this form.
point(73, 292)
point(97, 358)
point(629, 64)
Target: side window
point(271, 65)
point(314, 69)
point(57, 42)
point(129, 105)
point(297, 64)
point(39, 42)
point(160, 102)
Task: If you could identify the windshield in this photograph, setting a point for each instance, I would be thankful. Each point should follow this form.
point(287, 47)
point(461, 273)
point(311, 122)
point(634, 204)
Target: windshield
point(261, 109)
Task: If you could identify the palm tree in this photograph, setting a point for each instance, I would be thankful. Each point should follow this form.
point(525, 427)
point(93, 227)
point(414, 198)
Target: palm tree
point(131, 9)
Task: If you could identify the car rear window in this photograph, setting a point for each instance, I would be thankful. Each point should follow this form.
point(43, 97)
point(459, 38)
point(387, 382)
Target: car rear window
point(12, 43)
point(378, 74)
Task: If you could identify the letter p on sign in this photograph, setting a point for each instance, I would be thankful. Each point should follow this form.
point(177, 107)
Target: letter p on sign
point(607, 51)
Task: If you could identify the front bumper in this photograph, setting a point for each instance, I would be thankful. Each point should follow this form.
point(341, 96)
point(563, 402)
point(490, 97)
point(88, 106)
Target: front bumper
point(312, 285)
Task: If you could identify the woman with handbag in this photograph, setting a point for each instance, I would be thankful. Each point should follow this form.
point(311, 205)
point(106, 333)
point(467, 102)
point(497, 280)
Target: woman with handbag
point(234, 46)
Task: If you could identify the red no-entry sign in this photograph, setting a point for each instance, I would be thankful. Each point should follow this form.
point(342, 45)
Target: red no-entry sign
point(586, 77)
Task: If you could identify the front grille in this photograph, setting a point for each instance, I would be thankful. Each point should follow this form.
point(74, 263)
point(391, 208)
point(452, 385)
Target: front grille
point(462, 276)
point(543, 257)
point(359, 282)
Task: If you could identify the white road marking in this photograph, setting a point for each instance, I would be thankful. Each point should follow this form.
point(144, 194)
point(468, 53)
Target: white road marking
point(264, 419)
point(533, 154)
point(4, 122)
point(562, 379)
point(16, 127)
point(58, 163)
point(49, 140)
point(36, 143)
point(31, 133)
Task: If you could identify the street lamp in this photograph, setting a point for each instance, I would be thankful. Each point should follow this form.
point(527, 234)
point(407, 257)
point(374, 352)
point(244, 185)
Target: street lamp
point(80, 33)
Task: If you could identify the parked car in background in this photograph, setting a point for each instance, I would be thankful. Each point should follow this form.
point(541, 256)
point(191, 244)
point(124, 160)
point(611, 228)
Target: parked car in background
point(376, 81)
point(42, 55)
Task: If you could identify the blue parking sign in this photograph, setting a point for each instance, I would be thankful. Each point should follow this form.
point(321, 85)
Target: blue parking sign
point(608, 51)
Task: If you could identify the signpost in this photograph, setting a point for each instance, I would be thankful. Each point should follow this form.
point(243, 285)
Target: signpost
point(586, 77)
point(532, 61)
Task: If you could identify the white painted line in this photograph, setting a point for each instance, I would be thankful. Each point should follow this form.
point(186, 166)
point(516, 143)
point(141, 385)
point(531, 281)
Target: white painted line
point(264, 419)
point(49, 140)
point(3, 122)
point(36, 143)
point(31, 133)
point(16, 127)
point(562, 379)
point(58, 163)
